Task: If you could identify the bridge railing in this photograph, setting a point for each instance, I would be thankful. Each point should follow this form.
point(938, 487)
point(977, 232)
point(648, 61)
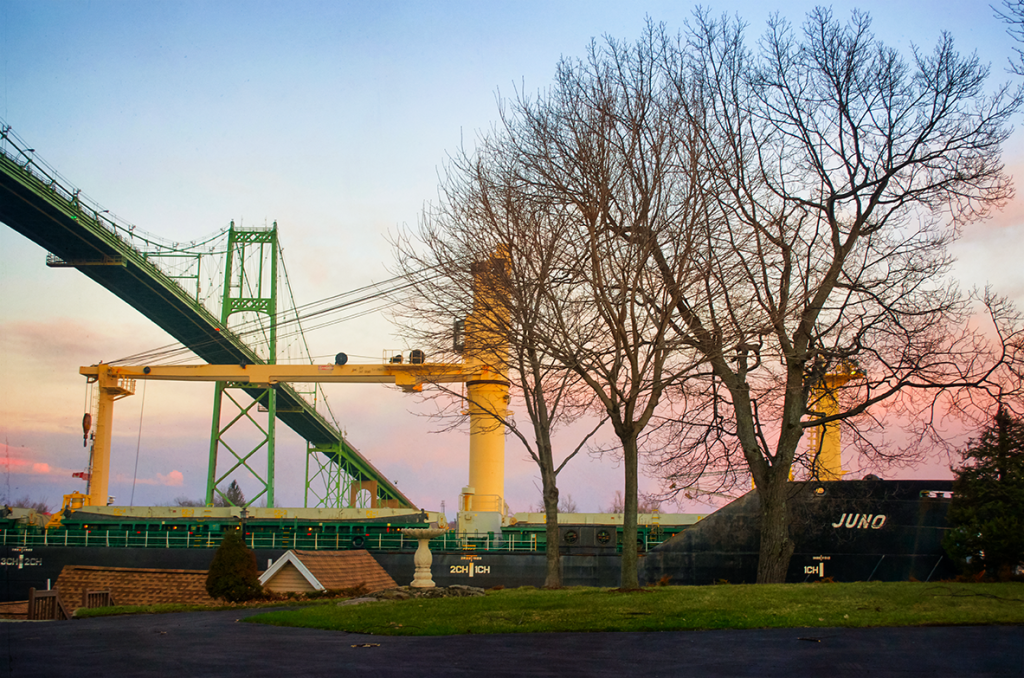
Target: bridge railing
point(298, 539)
point(21, 160)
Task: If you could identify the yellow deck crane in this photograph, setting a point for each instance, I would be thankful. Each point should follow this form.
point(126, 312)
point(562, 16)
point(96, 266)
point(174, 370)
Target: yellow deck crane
point(487, 393)
point(483, 370)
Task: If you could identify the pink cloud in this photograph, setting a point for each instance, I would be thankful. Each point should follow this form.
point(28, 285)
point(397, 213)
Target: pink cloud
point(19, 461)
point(173, 479)
point(56, 339)
point(14, 465)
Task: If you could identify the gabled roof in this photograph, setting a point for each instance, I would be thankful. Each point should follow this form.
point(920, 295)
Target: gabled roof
point(16, 609)
point(132, 585)
point(334, 570)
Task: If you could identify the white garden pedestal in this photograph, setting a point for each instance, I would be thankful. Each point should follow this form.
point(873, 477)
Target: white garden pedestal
point(423, 558)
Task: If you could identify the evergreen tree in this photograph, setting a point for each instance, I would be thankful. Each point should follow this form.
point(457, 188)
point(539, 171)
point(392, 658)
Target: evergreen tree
point(234, 496)
point(233, 574)
point(986, 517)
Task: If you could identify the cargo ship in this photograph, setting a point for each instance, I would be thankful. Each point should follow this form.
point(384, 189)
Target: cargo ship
point(853, 530)
point(186, 538)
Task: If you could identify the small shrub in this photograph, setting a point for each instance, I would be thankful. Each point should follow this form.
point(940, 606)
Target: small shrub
point(233, 573)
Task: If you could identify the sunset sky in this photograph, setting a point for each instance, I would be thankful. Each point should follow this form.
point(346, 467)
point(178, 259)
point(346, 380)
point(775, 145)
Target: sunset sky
point(332, 119)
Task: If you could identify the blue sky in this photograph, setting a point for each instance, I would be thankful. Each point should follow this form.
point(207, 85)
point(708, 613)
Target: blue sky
point(333, 119)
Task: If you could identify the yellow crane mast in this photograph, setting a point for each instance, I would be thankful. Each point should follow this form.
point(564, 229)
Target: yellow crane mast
point(825, 442)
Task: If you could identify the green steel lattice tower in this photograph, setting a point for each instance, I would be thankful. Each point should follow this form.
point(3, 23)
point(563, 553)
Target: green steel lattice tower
point(250, 287)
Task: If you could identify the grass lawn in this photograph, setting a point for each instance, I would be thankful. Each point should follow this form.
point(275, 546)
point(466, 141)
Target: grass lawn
point(672, 608)
point(170, 608)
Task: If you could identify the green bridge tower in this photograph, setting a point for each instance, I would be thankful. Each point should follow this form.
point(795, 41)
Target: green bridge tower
point(250, 289)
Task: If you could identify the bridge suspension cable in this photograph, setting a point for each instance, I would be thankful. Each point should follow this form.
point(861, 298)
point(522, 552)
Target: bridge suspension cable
point(361, 301)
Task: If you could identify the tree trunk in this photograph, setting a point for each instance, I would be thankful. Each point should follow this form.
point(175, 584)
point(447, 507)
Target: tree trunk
point(553, 577)
point(630, 576)
point(776, 545)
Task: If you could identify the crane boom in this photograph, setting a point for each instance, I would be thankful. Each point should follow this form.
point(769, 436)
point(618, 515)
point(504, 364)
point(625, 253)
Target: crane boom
point(409, 376)
point(118, 381)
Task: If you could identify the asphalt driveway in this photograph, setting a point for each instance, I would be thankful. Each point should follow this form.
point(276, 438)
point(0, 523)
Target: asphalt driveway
point(217, 644)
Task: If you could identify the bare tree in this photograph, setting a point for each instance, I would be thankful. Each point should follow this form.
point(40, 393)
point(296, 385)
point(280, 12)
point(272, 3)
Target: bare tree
point(1002, 389)
point(600, 151)
point(644, 505)
point(493, 252)
point(1012, 13)
point(840, 173)
point(185, 501)
point(722, 229)
point(566, 504)
point(27, 502)
point(575, 187)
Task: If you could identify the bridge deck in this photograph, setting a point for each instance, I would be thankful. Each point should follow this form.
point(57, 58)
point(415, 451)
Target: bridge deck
point(54, 218)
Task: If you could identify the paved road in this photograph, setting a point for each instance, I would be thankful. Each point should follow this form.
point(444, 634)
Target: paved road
point(216, 644)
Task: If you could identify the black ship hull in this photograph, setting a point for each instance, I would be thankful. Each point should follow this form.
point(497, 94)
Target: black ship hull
point(844, 531)
point(853, 530)
point(39, 566)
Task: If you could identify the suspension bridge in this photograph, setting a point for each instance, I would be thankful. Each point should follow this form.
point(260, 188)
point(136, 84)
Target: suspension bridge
point(239, 323)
